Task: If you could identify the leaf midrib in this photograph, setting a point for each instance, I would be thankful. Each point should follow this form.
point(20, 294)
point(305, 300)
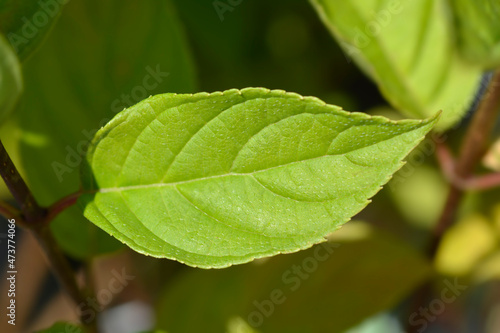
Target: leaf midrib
point(229, 174)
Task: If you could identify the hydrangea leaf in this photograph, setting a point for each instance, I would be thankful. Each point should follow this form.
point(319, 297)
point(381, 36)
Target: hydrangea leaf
point(26, 23)
point(478, 25)
point(217, 179)
point(408, 49)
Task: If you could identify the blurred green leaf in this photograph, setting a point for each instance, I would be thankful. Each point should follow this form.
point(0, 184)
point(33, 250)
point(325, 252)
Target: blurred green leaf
point(478, 25)
point(25, 23)
point(218, 179)
point(421, 191)
point(100, 58)
point(63, 327)
point(327, 288)
point(11, 83)
point(408, 48)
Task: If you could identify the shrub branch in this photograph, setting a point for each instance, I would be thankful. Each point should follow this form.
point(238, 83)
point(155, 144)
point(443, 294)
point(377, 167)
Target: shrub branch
point(36, 219)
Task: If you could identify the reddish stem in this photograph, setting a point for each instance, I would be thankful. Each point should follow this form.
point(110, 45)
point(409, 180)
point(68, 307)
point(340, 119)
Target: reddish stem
point(473, 148)
point(478, 182)
point(59, 206)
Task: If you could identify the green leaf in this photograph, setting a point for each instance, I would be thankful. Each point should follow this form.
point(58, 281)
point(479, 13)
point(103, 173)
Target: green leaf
point(408, 48)
point(63, 327)
point(328, 288)
point(11, 83)
point(26, 23)
point(420, 193)
point(217, 179)
point(478, 25)
point(101, 57)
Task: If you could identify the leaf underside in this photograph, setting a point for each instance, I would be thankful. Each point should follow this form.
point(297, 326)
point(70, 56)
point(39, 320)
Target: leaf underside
point(478, 30)
point(408, 49)
point(217, 179)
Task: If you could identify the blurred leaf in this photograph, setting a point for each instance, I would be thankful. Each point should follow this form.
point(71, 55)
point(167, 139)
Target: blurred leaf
point(420, 193)
point(11, 83)
point(10, 90)
point(100, 58)
point(464, 245)
point(327, 288)
point(25, 23)
point(408, 48)
point(218, 179)
point(63, 327)
point(478, 25)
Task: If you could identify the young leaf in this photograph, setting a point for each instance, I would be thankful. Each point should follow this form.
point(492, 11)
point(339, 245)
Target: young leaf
point(101, 57)
point(11, 83)
point(25, 23)
point(218, 179)
point(478, 25)
point(408, 48)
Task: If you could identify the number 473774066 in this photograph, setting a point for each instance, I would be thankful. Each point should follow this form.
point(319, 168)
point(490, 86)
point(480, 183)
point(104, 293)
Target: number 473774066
point(11, 244)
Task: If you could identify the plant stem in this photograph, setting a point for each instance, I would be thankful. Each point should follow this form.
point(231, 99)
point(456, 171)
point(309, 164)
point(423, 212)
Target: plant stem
point(476, 182)
point(58, 207)
point(37, 219)
point(484, 182)
point(472, 150)
point(60, 265)
point(30, 209)
point(62, 270)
